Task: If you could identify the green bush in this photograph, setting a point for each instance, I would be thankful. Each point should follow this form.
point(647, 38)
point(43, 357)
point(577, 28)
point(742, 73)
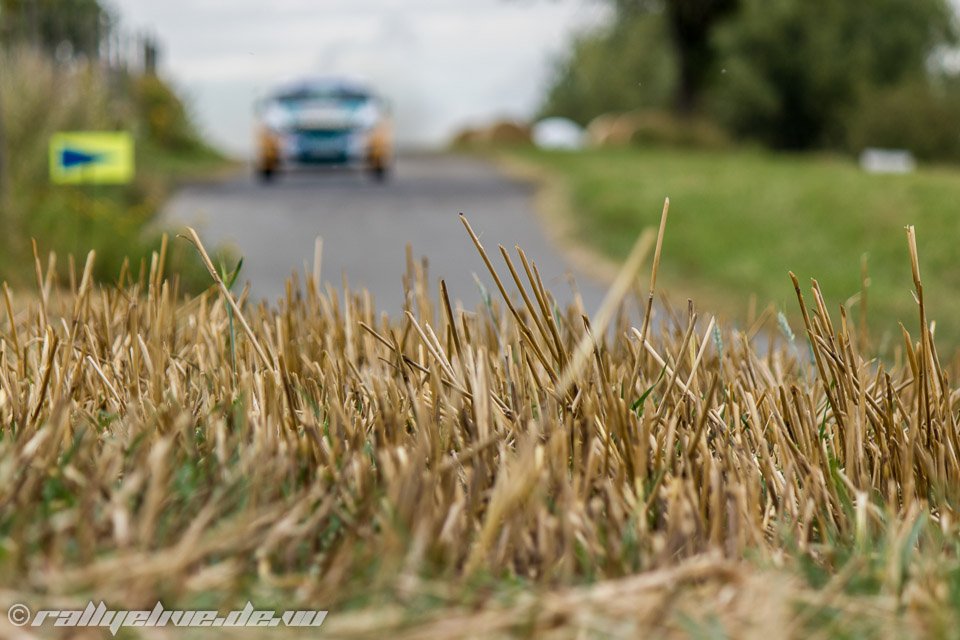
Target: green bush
point(917, 116)
point(163, 114)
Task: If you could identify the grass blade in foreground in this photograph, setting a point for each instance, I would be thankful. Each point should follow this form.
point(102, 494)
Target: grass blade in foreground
point(426, 476)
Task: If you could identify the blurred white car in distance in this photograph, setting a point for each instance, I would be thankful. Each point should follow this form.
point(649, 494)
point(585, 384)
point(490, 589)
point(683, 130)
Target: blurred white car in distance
point(323, 122)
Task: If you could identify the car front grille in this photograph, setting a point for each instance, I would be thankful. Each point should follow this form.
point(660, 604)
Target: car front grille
point(322, 145)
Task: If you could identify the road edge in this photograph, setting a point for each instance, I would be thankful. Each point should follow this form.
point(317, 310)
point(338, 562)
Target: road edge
point(553, 206)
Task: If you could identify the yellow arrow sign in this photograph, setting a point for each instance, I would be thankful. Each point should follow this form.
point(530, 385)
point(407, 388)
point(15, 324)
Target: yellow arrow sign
point(91, 157)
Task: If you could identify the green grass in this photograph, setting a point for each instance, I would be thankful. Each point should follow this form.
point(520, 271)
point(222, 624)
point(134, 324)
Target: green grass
point(740, 220)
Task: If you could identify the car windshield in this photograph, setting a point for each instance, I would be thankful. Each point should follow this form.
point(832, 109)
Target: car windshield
point(305, 95)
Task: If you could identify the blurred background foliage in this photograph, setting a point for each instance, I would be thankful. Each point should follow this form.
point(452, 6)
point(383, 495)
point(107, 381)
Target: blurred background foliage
point(166, 120)
point(70, 28)
point(629, 65)
point(788, 74)
point(64, 69)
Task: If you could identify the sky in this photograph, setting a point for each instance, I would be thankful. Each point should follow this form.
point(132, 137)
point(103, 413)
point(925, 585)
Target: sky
point(442, 64)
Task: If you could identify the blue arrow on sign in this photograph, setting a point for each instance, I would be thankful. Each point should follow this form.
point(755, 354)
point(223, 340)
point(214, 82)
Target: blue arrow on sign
point(72, 158)
point(91, 157)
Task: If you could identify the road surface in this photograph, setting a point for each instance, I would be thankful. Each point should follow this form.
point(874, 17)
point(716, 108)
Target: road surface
point(366, 226)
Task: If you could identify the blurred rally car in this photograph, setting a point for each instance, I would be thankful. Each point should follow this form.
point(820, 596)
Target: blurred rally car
point(324, 121)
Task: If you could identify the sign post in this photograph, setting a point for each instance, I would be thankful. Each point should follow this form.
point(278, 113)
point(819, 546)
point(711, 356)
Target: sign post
point(91, 157)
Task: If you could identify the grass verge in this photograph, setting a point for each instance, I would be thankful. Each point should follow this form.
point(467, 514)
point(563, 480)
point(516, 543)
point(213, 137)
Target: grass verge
point(742, 219)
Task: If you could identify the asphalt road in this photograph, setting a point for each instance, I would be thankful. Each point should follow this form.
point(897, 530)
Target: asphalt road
point(366, 226)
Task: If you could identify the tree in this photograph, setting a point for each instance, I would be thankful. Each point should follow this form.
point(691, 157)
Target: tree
point(76, 26)
point(795, 70)
point(788, 72)
point(652, 47)
point(629, 65)
point(691, 26)
point(692, 23)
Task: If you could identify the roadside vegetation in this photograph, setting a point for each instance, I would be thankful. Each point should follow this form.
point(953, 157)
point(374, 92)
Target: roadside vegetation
point(749, 115)
point(56, 82)
point(518, 469)
point(790, 74)
point(743, 218)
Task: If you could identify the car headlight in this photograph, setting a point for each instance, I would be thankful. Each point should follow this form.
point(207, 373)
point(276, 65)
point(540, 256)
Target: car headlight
point(366, 117)
point(277, 118)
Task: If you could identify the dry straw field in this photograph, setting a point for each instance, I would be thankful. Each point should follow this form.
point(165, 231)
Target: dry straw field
point(512, 470)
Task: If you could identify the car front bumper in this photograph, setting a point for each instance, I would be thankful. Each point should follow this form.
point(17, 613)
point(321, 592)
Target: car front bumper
point(343, 146)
